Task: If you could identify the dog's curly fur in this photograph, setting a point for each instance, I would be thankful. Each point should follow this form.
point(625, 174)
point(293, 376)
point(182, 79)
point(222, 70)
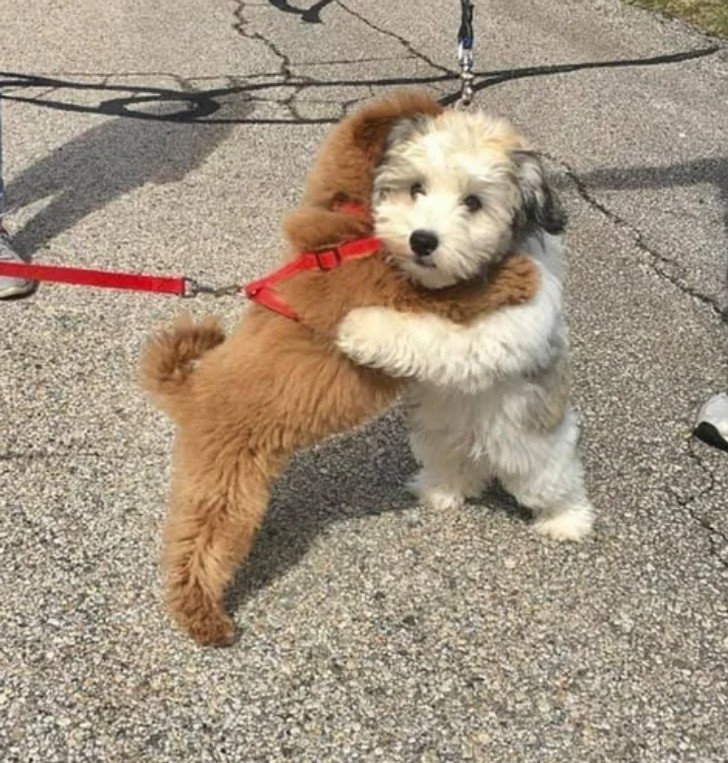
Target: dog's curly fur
point(489, 400)
point(243, 404)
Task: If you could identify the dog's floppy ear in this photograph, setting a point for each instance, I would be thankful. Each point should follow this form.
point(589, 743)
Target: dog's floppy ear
point(371, 136)
point(541, 205)
point(372, 125)
point(405, 128)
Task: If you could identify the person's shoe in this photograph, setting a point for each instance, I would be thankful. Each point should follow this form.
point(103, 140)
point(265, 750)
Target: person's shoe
point(10, 286)
point(712, 424)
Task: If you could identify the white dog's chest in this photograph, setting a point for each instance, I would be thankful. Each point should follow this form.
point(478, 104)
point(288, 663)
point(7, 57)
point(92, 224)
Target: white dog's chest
point(470, 423)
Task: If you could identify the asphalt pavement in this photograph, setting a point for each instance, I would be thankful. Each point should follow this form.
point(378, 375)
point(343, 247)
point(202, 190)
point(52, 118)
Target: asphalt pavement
point(170, 137)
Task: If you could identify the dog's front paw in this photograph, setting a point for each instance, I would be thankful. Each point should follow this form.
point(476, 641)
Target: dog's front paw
point(202, 618)
point(362, 333)
point(438, 497)
point(215, 629)
point(571, 524)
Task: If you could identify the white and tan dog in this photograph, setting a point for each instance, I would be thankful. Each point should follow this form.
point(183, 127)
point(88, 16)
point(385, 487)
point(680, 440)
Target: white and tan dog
point(454, 194)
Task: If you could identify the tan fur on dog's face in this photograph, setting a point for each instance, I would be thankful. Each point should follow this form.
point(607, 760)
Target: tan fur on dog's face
point(453, 193)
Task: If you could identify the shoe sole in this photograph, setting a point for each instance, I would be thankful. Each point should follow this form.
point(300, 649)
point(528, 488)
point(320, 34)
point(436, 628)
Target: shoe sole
point(17, 291)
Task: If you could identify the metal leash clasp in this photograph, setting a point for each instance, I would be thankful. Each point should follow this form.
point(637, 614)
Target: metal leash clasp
point(465, 57)
point(194, 288)
point(466, 38)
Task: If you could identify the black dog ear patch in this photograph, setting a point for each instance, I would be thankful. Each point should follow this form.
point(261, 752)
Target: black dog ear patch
point(406, 128)
point(542, 207)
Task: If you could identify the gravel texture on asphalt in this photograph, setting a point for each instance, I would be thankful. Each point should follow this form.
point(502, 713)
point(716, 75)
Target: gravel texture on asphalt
point(370, 628)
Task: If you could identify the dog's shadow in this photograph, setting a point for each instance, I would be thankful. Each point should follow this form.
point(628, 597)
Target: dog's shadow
point(358, 475)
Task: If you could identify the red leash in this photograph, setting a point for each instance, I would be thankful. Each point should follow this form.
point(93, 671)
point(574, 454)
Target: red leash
point(261, 291)
point(100, 278)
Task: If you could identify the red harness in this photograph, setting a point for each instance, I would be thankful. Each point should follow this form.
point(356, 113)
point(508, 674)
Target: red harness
point(261, 291)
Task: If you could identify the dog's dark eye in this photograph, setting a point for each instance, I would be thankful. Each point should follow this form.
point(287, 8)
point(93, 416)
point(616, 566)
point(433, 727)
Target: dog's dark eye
point(473, 203)
point(417, 190)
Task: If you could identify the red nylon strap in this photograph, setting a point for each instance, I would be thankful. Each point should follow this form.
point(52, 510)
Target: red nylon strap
point(101, 278)
point(263, 292)
point(271, 299)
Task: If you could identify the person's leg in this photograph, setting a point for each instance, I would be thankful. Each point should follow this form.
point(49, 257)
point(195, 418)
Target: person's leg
point(9, 287)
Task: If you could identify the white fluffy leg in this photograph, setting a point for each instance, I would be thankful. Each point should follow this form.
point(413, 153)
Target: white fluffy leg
point(446, 479)
point(571, 523)
point(441, 492)
point(552, 486)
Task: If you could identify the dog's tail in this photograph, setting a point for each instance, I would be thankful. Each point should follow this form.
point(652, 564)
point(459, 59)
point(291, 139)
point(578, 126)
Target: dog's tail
point(169, 358)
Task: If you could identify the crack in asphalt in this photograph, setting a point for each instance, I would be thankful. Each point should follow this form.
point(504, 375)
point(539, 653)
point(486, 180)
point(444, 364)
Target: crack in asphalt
point(241, 26)
point(715, 535)
point(718, 539)
point(297, 82)
point(401, 40)
point(658, 261)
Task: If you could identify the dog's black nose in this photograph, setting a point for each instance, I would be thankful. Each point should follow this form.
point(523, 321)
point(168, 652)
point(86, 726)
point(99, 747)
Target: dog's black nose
point(423, 243)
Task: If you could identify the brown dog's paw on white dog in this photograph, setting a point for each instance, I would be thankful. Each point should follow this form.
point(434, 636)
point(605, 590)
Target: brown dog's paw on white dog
point(243, 405)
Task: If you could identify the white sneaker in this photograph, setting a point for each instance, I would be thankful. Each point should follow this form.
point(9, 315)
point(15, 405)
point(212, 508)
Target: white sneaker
point(712, 423)
point(12, 287)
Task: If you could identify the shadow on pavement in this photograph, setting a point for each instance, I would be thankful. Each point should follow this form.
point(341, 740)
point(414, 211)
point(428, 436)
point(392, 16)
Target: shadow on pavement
point(347, 479)
point(200, 106)
point(310, 15)
point(696, 172)
point(103, 164)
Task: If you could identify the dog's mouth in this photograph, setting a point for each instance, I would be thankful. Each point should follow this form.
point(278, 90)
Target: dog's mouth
point(424, 261)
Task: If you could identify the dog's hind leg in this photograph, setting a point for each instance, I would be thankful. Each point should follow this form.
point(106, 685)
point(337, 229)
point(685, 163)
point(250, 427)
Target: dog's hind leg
point(218, 503)
point(551, 484)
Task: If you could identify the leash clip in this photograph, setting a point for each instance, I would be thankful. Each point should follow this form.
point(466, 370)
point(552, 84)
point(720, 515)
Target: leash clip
point(226, 291)
point(466, 37)
point(194, 288)
point(467, 77)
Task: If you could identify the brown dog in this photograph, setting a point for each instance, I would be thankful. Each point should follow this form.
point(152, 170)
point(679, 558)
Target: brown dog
point(244, 404)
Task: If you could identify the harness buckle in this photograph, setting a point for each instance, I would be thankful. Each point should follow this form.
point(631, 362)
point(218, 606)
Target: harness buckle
point(324, 259)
